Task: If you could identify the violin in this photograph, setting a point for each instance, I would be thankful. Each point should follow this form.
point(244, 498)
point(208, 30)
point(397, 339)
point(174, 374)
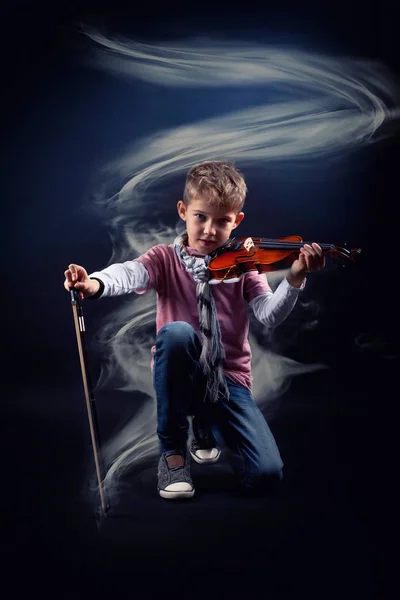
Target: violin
point(238, 256)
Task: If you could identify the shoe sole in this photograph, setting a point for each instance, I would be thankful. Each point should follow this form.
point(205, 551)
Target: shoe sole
point(205, 461)
point(175, 495)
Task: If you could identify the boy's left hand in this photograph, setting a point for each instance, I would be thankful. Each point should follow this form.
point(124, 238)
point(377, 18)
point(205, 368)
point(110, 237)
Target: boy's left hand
point(310, 259)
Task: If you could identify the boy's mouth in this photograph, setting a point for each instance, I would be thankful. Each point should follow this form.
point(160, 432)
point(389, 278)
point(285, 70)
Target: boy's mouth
point(207, 242)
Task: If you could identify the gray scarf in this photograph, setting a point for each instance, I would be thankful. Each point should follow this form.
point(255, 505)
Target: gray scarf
point(213, 352)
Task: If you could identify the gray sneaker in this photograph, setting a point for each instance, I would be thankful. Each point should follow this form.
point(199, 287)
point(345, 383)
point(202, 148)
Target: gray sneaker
point(204, 456)
point(175, 482)
point(203, 447)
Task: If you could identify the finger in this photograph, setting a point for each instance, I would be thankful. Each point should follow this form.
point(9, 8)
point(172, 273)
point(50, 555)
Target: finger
point(68, 283)
point(308, 256)
point(317, 248)
point(313, 249)
point(319, 255)
point(316, 261)
point(303, 257)
point(68, 275)
point(308, 251)
point(316, 252)
point(74, 271)
point(304, 253)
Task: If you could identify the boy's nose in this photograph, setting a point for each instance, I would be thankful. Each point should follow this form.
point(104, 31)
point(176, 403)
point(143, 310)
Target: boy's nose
point(210, 229)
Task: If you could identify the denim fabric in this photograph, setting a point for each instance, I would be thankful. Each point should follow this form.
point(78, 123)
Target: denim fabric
point(238, 422)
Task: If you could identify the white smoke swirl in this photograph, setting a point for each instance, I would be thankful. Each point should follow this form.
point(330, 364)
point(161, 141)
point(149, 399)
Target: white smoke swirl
point(330, 106)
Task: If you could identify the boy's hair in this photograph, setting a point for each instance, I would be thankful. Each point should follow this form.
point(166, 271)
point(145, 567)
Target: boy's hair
point(221, 183)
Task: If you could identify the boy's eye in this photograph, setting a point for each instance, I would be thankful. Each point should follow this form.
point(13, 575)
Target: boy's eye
point(200, 216)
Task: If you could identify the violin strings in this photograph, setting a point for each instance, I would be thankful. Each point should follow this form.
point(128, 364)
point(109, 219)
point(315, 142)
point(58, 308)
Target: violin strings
point(276, 244)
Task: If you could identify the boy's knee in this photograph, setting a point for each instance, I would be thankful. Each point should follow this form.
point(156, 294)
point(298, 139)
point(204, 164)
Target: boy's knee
point(175, 332)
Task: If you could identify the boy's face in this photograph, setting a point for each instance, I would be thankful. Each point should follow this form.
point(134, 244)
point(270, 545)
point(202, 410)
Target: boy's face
point(208, 227)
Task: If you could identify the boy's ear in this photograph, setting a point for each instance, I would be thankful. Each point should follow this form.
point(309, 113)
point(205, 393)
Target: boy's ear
point(239, 219)
point(181, 209)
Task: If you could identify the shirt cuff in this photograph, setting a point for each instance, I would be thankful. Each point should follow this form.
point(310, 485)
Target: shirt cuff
point(100, 291)
point(292, 287)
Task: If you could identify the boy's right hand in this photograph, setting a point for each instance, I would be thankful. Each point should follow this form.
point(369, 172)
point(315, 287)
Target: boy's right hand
point(77, 277)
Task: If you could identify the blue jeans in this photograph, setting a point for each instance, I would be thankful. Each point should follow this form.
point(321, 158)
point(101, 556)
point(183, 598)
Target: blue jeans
point(238, 422)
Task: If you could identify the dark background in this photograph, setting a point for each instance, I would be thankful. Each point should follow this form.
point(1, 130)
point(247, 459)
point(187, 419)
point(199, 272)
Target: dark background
point(328, 530)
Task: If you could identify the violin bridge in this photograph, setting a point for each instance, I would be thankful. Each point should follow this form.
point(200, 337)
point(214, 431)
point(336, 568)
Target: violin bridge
point(248, 244)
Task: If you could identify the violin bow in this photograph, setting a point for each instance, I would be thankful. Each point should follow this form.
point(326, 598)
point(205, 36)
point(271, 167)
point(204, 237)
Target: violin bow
point(89, 397)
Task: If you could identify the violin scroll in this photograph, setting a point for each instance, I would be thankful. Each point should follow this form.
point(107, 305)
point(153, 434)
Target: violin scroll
point(343, 255)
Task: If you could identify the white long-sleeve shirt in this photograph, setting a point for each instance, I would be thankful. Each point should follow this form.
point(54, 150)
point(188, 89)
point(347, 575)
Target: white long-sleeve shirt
point(270, 308)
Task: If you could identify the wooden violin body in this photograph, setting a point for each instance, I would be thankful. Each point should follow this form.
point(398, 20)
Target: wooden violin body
point(230, 262)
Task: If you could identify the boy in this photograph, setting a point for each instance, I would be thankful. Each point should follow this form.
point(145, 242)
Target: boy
point(202, 359)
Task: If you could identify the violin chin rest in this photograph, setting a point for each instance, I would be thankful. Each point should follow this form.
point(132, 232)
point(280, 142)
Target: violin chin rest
point(231, 280)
